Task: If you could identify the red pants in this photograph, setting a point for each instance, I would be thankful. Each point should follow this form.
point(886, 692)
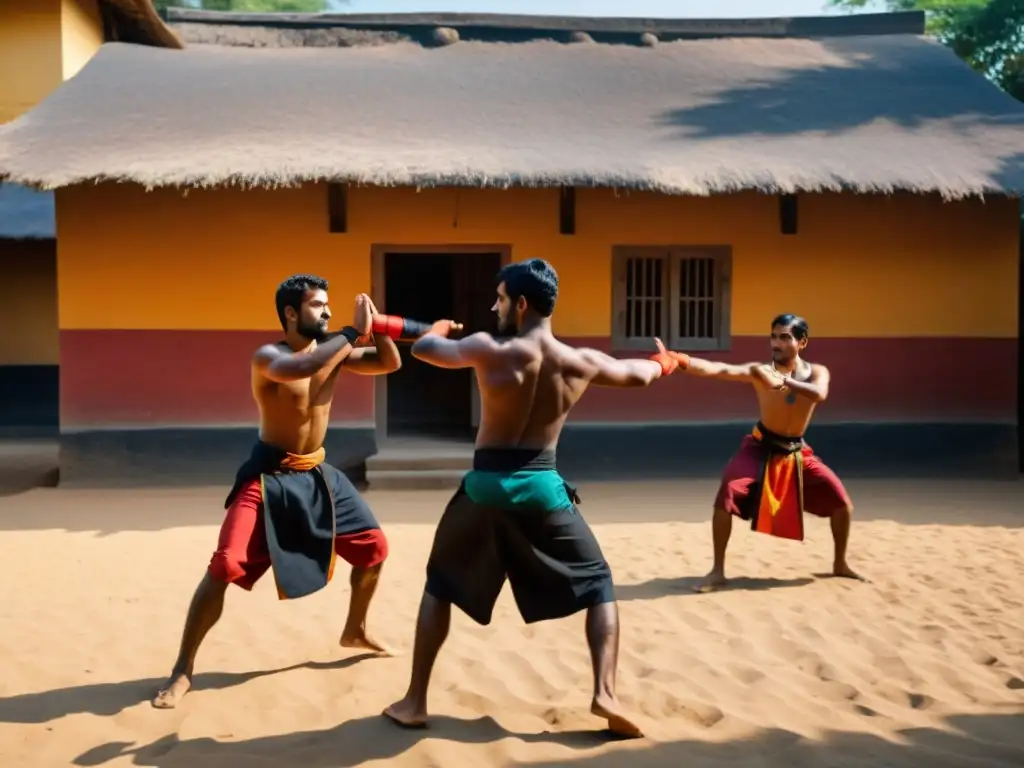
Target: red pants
point(242, 556)
point(824, 493)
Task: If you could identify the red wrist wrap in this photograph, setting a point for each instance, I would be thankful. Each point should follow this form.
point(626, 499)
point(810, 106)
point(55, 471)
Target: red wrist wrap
point(390, 325)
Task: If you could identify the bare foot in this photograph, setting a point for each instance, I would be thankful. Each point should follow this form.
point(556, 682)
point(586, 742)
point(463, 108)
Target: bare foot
point(843, 571)
point(406, 714)
point(364, 642)
point(173, 691)
point(618, 723)
point(714, 580)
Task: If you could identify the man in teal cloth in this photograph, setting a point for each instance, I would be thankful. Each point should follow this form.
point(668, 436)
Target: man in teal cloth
point(514, 517)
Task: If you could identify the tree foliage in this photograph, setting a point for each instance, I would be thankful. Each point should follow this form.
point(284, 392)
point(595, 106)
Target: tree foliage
point(987, 34)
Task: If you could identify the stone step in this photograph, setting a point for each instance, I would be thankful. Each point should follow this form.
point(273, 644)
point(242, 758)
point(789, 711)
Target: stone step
point(413, 479)
point(408, 460)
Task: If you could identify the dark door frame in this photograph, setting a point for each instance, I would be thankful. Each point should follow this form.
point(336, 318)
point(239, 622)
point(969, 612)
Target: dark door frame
point(377, 278)
point(1020, 345)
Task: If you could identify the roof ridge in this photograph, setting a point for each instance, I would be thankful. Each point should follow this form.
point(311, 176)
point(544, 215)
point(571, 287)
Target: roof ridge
point(888, 23)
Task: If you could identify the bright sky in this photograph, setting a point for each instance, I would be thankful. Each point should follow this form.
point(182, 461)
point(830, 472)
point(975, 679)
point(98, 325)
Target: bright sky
point(652, 8)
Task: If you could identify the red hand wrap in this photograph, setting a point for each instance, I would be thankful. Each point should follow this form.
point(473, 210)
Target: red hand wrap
point(668, 365)
point(670, 361)
point(682, 359)
point(390, 325)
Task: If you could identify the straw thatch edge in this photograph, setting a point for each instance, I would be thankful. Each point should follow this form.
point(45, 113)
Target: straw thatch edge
point(731, 184)
point(137, 21)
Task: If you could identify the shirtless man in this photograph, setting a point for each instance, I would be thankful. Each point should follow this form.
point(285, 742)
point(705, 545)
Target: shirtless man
point(788, 390)
point(514, 516)
point(313, 513)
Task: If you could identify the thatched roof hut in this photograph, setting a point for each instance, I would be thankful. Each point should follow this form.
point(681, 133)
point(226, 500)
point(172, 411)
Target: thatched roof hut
point(859, 103)
point(28, 214)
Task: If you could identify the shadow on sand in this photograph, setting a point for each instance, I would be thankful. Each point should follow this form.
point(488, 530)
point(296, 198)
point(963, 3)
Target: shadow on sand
point(108, 699)
point(970, 741)
point(687, 585)
point(350, 744)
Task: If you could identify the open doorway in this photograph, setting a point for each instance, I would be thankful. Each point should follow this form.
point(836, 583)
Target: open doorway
point(1020, 347)
point(428, 285)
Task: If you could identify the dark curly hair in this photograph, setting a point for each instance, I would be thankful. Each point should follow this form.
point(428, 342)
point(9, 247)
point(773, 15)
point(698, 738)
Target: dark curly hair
point(290, 293)
point(796, 324)
point(535, 280)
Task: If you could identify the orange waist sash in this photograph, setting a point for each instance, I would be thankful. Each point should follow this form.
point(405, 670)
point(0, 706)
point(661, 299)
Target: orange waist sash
point(779, 502)
point(303, 462)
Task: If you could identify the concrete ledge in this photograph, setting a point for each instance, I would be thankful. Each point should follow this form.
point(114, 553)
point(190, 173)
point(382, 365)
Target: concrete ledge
point(29, 398)
point(862, 450)
point(163, 457)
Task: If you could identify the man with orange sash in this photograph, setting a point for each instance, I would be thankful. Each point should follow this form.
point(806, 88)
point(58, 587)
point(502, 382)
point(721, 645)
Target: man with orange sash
point(775, 476)
point(289, 511)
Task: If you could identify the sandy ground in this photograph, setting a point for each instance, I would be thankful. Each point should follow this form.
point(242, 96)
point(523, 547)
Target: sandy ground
point(922, 667)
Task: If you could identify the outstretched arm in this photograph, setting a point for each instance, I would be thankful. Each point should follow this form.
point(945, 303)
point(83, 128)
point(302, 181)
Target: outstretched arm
point(815, 388)
point(443, 352)
point(608, 371)
point(750, 373)
point(281, 365)
point(696, 366)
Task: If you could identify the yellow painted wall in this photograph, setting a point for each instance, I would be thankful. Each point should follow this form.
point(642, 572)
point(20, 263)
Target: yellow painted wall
point(871, 266)
point(81, 34)
point(30, 54)
point(28, 302)
point(43, 43)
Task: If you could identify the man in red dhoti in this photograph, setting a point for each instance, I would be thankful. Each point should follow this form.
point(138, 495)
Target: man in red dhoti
point(775, 477)
point(289, 511)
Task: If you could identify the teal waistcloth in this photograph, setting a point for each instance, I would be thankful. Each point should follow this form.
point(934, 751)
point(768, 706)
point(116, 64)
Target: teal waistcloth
point(537, 490)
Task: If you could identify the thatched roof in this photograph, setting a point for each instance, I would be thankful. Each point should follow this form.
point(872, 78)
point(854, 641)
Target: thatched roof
point(26, 214)
point(136, 21)
point(296, 30)
point(863, 112)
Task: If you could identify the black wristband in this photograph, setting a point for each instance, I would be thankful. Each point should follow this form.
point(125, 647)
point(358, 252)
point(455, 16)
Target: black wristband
point(350, 333)
point(413, 329)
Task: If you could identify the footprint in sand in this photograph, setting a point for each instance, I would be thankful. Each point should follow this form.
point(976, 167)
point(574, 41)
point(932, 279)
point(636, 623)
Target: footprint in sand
point(814, 665)
point(746, 675)
point(836, 691)
point(919, 701)
point(665, 705)
point(983, 657)
point(565, 719)
point(933, 634)
point(740, 646)
point(703, 714)
point(903, 697)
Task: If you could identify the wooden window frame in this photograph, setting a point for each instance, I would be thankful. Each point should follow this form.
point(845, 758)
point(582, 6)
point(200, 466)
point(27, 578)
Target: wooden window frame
point(674, 254)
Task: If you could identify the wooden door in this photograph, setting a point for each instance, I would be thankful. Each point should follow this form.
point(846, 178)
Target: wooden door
point(474, 294)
